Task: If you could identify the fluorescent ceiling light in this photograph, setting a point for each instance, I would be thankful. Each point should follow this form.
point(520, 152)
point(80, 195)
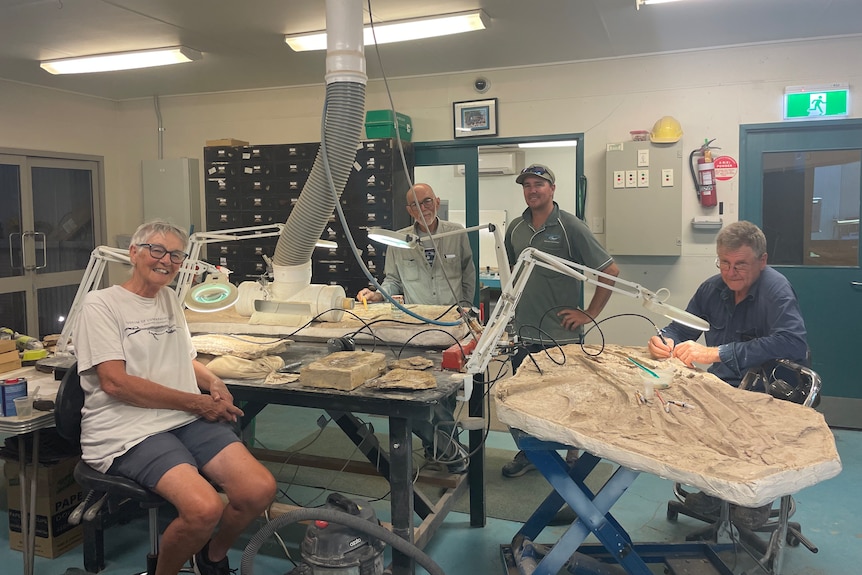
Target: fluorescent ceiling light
point(122, 60)
point(554, 144)
point(400, 31)
point(639, 3)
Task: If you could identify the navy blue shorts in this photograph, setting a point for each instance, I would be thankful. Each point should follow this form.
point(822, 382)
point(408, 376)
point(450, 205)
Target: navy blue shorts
point(195, 443)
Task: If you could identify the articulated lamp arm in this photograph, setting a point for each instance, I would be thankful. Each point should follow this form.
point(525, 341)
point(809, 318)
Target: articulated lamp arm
point(504, 311)
point(99, 259)
point(192, 267)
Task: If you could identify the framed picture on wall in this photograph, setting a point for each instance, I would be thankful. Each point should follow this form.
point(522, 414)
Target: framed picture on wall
point(475, 118)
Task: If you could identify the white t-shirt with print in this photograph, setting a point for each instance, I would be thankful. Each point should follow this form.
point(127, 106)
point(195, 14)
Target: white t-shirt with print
point(151, 336)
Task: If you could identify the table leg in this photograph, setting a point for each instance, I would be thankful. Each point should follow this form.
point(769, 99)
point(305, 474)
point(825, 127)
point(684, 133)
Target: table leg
point(25, 515)
point(32, 547)
point(476, 470)
point(401, 484)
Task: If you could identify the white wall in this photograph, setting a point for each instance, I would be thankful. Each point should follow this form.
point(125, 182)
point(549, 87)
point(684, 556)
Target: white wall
point(710, 92)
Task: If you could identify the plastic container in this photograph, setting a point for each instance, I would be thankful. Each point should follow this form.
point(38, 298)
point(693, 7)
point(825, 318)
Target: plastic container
point(23, 406)
point(639, 135)
point(663, 381)
point(379, 125)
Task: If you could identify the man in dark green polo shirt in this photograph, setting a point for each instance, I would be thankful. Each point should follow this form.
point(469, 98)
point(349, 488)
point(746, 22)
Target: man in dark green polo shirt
point(548, 312)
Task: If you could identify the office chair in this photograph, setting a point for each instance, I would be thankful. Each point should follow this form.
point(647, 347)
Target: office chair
point(788, 381)
point(108, 496)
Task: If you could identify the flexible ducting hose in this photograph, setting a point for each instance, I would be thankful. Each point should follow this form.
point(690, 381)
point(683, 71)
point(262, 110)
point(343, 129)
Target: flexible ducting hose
point(345, 113)
point(333, 516)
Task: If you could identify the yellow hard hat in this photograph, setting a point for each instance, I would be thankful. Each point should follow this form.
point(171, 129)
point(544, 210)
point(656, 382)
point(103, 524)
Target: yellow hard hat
point(666, 131)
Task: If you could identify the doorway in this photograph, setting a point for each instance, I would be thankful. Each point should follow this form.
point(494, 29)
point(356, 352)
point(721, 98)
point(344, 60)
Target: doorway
point(801, 182)
point(49, 224)
point(475, 179)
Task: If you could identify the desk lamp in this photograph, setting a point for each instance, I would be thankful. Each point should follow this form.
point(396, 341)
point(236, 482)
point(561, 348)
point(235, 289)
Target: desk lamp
point(408, 241)
point(504, 311)
point(411, 241)
point(216, 293)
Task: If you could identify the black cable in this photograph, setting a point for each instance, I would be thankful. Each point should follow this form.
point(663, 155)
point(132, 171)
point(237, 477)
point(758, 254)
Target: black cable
point(581, 197)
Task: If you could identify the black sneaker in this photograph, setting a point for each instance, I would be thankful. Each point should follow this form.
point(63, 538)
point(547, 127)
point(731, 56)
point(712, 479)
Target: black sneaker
point(750, 517)
point(518, 466)
point(203, 566)
point(700, 502)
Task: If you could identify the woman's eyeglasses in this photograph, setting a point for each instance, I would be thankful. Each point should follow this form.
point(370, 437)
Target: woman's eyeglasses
point(157, 252)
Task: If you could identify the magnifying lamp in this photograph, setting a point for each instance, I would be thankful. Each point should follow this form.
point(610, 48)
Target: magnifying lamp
point(215, 293)
point(408, 241)
point(504, 311)
point(390, 238)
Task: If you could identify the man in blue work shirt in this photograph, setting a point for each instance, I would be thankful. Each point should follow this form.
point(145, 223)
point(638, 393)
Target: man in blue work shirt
point(754, 318)
point(548, 311)
point(751, 308)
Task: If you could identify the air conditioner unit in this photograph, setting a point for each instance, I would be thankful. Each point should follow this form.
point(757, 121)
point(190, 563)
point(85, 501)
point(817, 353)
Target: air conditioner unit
point(498, 163)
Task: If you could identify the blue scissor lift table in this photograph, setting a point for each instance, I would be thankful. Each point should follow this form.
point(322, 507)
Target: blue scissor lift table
point(525, 557)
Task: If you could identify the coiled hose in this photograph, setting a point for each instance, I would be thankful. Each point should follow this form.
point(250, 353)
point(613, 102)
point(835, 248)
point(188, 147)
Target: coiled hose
point(352, 521)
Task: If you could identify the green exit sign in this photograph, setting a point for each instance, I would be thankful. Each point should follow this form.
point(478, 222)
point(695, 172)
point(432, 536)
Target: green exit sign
point(816, 102)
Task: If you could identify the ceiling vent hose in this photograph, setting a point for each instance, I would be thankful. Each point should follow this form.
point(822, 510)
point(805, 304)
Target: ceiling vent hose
point(345, 113)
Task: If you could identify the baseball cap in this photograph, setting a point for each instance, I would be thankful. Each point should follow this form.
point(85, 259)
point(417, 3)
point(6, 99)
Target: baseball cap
point(536, 170)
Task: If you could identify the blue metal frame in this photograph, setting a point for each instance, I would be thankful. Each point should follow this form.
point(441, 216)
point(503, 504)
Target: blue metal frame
point(593, 511)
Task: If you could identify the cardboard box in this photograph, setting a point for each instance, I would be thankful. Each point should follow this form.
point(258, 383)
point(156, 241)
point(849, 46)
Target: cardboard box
point(226, 142)
point(7, 345)
point(9, 361)
point(57, 495)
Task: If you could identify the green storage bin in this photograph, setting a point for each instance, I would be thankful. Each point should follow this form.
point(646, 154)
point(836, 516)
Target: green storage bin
point(379, 125)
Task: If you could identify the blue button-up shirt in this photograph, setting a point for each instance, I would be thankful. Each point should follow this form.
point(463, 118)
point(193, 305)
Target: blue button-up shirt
point(765, 326)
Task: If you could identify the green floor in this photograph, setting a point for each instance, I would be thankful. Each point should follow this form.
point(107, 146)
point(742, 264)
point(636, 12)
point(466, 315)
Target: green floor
point(829, 513)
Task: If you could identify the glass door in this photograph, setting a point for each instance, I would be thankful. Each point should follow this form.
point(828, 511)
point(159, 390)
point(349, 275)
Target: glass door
point(13, 284)
point(48, 231)
point(802, 183)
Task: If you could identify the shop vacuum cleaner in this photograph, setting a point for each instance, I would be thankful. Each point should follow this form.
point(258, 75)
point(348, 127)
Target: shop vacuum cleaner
point(345, 538)
point(330, 549)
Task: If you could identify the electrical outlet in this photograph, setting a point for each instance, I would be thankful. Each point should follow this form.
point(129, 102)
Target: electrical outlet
point(631, 179)
point(643, 178)
point(667, 178)
point(643, 158)
point(619, 179)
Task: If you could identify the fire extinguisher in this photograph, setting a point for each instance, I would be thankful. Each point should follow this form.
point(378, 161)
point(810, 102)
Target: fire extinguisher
point(704, 174)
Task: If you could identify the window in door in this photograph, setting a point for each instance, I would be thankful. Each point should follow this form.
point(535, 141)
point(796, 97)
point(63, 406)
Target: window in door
point(811, 207)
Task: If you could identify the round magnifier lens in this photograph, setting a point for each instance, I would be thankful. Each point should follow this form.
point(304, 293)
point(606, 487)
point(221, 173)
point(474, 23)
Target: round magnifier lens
point(211, 296)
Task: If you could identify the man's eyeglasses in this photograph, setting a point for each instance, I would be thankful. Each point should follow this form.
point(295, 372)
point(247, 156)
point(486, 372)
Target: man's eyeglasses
point(534, 170)
point(158, 252)
point(427, 202)
point(739, 267)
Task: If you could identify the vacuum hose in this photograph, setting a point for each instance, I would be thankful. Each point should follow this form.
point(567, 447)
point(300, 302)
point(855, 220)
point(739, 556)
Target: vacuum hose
point(352, 521)
point(345, 113)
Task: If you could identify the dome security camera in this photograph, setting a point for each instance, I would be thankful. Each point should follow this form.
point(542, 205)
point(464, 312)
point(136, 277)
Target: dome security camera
point(481, 85)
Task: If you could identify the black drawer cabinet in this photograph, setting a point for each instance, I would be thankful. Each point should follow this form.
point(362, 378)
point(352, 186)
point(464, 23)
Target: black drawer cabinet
point(255, 185)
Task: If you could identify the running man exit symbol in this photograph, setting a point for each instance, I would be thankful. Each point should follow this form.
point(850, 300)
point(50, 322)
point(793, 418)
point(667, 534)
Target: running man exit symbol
point(817, 105)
